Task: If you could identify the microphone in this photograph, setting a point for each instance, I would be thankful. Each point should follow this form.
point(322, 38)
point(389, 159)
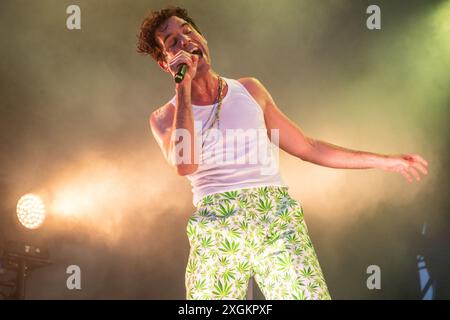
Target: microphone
point(179, 76)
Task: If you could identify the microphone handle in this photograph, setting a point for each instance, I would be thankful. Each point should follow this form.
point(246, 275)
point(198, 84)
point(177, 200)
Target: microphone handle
point(181, 72)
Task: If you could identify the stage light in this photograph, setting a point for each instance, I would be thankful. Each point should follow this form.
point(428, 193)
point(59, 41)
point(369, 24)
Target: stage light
point(31, 211)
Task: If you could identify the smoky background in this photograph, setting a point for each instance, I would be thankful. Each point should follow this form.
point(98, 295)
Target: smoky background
point(74, 129)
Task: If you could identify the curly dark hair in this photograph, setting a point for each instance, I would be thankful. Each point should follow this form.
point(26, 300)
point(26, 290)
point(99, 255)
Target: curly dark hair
point(146, 38)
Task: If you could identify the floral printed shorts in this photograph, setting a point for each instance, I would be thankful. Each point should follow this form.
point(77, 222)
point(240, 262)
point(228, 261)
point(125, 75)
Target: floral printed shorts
point(255, 232)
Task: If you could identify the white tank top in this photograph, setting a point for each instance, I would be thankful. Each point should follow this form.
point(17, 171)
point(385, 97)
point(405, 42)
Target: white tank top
point(237, 155)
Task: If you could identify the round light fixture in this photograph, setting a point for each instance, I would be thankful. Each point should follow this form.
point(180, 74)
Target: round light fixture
point(31, 211)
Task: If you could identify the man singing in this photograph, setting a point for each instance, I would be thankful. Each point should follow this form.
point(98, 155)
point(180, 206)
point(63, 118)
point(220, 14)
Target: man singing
point(246, 224)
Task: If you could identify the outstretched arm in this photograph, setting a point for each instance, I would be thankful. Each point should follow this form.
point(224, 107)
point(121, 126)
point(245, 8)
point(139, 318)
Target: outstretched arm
point(333, 156)
point(295, 142)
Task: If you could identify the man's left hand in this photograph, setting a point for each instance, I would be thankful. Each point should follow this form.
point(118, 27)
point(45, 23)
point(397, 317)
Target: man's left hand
point(407, 165)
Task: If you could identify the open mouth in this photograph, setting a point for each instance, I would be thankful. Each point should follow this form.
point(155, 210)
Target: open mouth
point(197, 52)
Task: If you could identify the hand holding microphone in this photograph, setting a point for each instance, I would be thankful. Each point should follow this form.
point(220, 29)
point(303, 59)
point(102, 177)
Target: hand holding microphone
point(183, 64)
point(179, 76)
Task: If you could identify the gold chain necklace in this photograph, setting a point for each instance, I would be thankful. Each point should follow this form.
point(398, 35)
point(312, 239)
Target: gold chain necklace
point(217, 108)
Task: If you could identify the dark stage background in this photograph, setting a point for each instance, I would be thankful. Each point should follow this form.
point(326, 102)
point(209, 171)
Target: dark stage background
point(74, 129)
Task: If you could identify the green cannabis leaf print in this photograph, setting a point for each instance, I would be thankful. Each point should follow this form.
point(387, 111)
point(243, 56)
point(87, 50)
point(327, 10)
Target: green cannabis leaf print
point(258, 232)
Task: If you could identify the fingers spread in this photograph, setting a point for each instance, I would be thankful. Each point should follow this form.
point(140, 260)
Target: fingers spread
point(421, 167)
point(415, 173)
point(407, 176)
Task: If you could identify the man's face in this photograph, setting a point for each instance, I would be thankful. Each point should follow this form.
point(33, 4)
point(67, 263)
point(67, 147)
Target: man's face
point(175, 35)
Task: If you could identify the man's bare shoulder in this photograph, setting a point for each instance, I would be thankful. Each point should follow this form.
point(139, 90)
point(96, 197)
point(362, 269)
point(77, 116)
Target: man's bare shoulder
point(256, 89)
point(249, 82)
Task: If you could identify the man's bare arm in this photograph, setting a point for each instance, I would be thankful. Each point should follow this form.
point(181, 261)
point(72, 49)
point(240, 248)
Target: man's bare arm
point(295, 142)
point(169, 124)
point(184, 123)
